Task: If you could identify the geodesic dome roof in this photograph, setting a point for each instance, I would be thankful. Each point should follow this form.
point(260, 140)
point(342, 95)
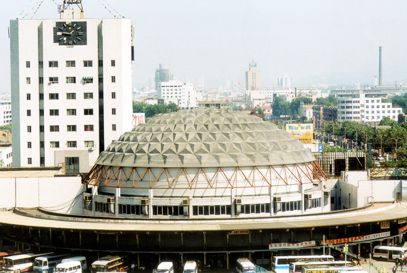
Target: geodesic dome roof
point(204, 138)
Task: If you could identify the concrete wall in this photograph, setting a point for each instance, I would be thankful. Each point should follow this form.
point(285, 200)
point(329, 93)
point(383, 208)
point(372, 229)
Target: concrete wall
point(355, 190)
point(55, 194)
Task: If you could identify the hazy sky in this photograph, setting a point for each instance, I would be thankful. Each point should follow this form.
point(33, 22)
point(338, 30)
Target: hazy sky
point(213, 41)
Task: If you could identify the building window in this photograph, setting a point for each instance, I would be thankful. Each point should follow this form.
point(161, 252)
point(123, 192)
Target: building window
point(71, 112)
point(113, 79)
point(41, 128)
point(29, 129)
point(87, 63)
point(88, 112)
point(71, 144)
point(71, 96)
point(88, 95)
point(70, 79)
point(53, 64)
point(113, 95)
point(113, 127)
point(54, 128)
point(113, 63)
point(41, 112)
point(28, 80)
point(28, 96)
point(71, 128)
point(100, 63)
point(72, 165)
point(29, 161)
point(54, 112)
point(89, 143)
point(70, 64)
point(54, 144)
point(52, 80)
point(53, 96)
point(29, 145)
point(41, 80)
point(88, 128)
point(113, 111)
point(27, 64)
point(28, 113)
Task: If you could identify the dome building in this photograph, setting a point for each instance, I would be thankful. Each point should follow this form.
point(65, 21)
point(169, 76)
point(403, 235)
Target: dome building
point(205, 163)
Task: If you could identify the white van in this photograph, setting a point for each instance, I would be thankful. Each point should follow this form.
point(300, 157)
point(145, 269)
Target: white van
point(190, 267)
point(390, 252)
point(165, 267)
point(69, 267)
point(81, 259)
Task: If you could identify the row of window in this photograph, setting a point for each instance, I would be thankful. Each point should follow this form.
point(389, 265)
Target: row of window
point(70, 80)
point(69, 112)
point(70, 128)
point(69, 96)
point(70, 63)
point(69, 144)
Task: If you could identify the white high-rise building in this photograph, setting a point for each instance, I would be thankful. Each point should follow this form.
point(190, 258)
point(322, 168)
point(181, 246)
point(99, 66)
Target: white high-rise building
point(365, 106)
point(183, 94)
point(71, 84)
point(5, 112)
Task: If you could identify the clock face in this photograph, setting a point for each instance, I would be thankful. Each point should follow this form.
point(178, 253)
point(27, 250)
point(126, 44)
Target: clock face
point(70, 33)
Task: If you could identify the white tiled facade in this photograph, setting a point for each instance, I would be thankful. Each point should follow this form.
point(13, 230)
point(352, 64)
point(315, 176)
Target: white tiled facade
point(69, 100)
point(5, 112)
point(366, 108)
point(183, 94)
point(6, 156)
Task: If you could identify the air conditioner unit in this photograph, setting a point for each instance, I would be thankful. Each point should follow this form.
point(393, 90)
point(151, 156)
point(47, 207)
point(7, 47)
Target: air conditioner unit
point(307, 196)
point(185, 202)
point(111, 200)
point(277, 199)
point(144, 202)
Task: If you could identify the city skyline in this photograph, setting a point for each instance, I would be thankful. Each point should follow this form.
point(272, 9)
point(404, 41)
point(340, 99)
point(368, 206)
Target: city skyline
point(317, 42)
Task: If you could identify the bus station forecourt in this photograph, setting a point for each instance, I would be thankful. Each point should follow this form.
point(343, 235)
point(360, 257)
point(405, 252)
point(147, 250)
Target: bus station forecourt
point(206, 185)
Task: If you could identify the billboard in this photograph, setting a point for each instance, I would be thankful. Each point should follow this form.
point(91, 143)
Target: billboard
point(138, 118)
point(304, 132)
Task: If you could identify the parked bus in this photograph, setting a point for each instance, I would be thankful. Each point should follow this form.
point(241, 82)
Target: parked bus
point(165, 267)
point(109, 264)
point(281, 264)
point(81, 259)
point(21, 263)
point(69, 267)
point(296, 267)
point(390, 252)
point(345, 269)
point(46, 264)
point(190, 267)
point(244, 265)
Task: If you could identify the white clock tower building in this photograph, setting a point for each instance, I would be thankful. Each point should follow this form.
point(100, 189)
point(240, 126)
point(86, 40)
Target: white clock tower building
point(71, 84)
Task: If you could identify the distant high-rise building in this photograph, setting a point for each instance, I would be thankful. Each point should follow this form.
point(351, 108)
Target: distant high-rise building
point(184, 95)
point(161, 75)
point(283, 82)
point(71, 88)
point(252, 77)
point(380, 66)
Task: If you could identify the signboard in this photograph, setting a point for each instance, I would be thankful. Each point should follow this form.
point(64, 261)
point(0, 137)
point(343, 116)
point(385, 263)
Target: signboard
point(304, 132)
point(138, 118)
point(357, 238)
point(385, 225)
point(292, 245)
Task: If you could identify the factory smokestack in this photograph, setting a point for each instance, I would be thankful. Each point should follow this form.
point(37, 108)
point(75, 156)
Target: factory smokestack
point(380, 65)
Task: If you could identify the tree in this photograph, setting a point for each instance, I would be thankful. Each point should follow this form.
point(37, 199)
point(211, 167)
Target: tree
point(280, 106)
point(152, 110)
point(400, 101)
point(386, 121)
point(296, 103)
point(328, 101)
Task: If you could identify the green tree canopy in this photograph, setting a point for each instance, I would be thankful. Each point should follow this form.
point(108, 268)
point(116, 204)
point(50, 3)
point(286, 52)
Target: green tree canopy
point(152, 110)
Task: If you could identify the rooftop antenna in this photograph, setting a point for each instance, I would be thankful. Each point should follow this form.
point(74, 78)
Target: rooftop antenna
point(70, 9)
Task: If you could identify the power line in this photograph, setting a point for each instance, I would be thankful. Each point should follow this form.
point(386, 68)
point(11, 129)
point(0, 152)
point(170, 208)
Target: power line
point(110, 9)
